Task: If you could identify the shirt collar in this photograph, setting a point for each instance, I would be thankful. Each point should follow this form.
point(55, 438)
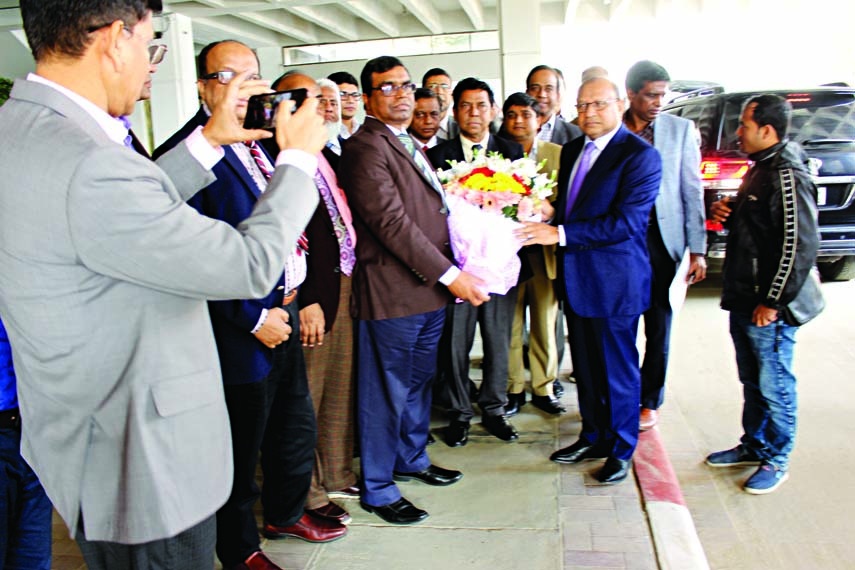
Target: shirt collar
point(603, 141)
point(467, 144)
point(113, 127)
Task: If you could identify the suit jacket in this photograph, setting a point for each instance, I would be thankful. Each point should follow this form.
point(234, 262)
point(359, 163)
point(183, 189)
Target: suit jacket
point(550, 152)
point(453, 150)
point(103, 291)
point(564, 131)
point(323, 271)
point(680, 204)
point(402, 246)
point(605, 266)
point(231, 198)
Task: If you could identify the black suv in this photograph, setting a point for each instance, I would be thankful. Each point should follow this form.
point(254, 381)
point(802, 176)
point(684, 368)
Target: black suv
point(823, 122)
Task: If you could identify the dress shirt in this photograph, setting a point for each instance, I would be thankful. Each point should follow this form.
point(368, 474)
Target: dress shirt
point(434, 140)
point(449, 276)
point(545, 133)
point(468, 153)
point(345, 133)
point(116, 130)
point(599, 144)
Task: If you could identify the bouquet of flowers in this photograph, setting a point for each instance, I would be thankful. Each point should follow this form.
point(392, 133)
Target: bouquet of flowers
point(487, 198)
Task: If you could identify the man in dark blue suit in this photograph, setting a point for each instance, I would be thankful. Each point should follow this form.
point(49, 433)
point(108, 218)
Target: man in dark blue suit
point(608, 182)
point(473, 111)
point(264, 374)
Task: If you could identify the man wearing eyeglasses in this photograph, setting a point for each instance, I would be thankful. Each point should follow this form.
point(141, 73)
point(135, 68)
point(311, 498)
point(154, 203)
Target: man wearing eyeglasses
point(608, 181)
point(403, 279)
point(350, 95)
point(474, 106)
point(105, 276)
point(439, 81)
point(264, 373)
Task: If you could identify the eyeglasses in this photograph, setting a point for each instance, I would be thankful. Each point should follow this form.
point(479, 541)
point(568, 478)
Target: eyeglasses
point(156, 53)
point(225, 77)
point(443, 86)
point(597, 105)
point(389, 89)
point(351, 95)
point(323, 102)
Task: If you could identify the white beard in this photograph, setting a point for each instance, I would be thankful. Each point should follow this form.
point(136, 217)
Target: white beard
point(333, 131)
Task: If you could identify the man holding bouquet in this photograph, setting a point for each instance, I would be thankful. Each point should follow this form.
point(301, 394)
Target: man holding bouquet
point(473, 111)
point(608, 182)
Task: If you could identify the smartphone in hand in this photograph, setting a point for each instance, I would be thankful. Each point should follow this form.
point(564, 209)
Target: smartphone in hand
point(261, 109)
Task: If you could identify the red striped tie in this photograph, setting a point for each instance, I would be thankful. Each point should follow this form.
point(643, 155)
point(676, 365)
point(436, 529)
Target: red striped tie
point(302, 241)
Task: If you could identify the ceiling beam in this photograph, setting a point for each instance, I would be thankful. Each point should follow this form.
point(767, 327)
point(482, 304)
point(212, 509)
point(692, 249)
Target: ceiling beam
point(571, 10)
point(282, 23)
point(475, 11)
point(374, 14)
point(330, 19)
point(425, 13)
point(230, 28)
point(10, 19)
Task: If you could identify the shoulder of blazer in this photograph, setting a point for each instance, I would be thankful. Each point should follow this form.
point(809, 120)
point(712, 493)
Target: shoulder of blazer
point(508, 149)
point(199, 119)
point(451, 149)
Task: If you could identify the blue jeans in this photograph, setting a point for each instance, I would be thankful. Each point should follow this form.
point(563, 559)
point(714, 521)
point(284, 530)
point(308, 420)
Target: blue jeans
point(25, 510)
point(764, 357)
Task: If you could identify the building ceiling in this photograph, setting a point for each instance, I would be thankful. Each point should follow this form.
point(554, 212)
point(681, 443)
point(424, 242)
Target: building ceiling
point(261, 23)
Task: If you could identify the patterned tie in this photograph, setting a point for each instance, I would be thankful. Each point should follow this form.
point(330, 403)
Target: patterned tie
point(581, 172)
point(346, 245)
point(422, 163)
point(255, 151)
point(129, 140)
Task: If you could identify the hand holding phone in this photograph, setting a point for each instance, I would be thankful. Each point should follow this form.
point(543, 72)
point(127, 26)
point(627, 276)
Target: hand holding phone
point(262, 109)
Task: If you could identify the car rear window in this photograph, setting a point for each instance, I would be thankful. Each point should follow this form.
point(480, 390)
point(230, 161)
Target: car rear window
point(816, 117)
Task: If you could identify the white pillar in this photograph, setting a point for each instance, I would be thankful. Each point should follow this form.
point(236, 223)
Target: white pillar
point(519, 42)
point(174, 98)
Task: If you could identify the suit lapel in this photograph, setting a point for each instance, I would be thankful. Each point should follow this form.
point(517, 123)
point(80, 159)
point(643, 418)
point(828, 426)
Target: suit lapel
point(603, 165)
point(572, 154)
point(399, 147)
point(240, 171)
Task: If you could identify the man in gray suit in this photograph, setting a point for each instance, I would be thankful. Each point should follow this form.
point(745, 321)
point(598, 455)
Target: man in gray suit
point(106, 273)
point(676, 221)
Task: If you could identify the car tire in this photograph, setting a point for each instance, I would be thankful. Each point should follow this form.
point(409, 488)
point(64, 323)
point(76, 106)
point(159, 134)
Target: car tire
point(842, 269)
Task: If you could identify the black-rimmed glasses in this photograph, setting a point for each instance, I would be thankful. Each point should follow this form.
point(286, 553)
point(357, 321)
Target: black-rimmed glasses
point(389, 89)
point(225, 77)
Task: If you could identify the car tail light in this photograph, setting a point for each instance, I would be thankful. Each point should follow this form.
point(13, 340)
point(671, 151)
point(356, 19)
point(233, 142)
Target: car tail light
point(723, 174)
point(724, 177)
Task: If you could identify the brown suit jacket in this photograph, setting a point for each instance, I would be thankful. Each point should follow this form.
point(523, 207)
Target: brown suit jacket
point(402, 246)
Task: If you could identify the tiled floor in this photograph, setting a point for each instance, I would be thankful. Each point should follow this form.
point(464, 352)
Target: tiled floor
point(514, 509)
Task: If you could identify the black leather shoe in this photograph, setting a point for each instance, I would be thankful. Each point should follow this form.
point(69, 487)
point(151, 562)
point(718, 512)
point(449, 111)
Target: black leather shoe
point(431, 440)
point(578, 452)
point(614, 471)
point(457, 434)
point(557, 388)
point(500, 427)
point(515, 402)
point(401, 511)
point(433, 475)
point(548, 404)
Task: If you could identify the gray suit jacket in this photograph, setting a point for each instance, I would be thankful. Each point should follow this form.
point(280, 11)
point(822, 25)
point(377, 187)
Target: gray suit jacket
point(680, 204)
point(106, 274)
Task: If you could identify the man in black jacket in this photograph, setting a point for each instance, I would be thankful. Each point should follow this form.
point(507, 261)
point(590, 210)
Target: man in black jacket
point(771, 249)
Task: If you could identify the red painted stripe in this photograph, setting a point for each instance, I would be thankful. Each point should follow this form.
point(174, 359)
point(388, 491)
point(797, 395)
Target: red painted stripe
point(653, 469)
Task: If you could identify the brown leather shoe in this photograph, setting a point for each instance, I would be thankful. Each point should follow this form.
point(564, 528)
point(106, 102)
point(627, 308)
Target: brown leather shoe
point(331, 511)
point(647, 419)
point(309, 528)
point(257, 561)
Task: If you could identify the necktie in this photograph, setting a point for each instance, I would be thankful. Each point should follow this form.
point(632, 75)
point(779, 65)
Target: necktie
point(129, 140)
point(581, 172)
point(424, 148)
point(421, 162)
point(255, 151)
point(346, 241)
point(476, 150)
